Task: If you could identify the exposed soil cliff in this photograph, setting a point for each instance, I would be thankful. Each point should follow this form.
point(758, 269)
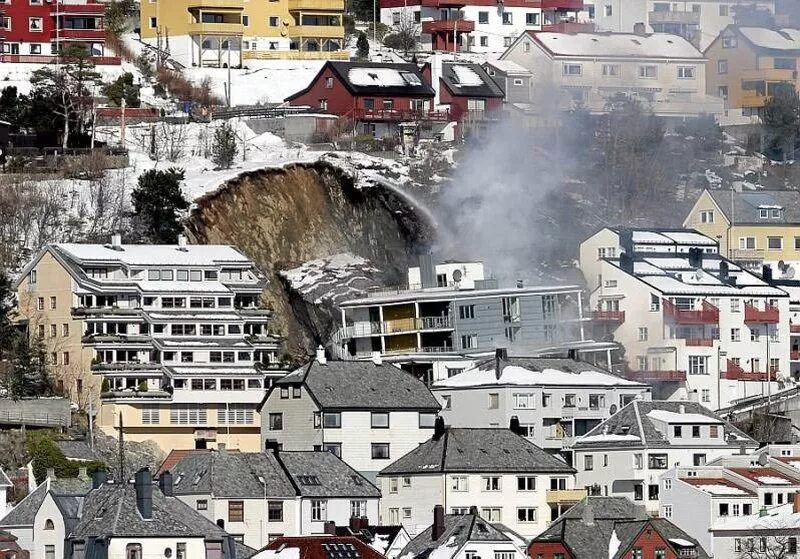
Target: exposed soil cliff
point(282, 218)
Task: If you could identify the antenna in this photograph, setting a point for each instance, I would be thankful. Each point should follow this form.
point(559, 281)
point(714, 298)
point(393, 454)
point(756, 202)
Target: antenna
point(457, 275)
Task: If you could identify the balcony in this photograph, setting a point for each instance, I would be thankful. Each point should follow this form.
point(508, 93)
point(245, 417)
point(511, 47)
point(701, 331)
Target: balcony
point(81, 10)
point(296, 55)
point(317, 31)
point(448, 26)
point(311, 5)
point(747, 254)
point(670, 16)
point(770, 315)
point(752, 99)
point(769, 75)
point(208, 5)
point(568, 27)
point(709, 314)
point(135, 395)
point(563, 5)
point(664, 376)
point(699, 342)
point(394, 115)
point(226, 29)
point(794, 328)
point(559, 496)
point(735, 372)
point(443, 3)
point(608, 316)
point(79, 34)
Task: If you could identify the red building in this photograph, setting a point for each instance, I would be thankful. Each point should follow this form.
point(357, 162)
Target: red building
point(377, 97)
point(326, 546)
point(471, 96)
point(616, 528)
point(37, 30)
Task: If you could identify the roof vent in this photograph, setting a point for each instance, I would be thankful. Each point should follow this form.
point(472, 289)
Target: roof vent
point(116, 242)
point(625, 429)
point(321, 359)
point(681, 409)
point(376, 358)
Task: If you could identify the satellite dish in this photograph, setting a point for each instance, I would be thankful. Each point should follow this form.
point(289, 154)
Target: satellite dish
point(457, 275)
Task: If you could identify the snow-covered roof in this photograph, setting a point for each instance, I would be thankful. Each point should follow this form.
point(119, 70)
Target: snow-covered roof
point(381, 77)
point(609, 437)
point(681, 542)
point(447, 293)
point(672, 417)
point(783, 39)
point(777, 518)
point(719, 489)
point(205, 286)
point(155, 255)
point(508, 66)
point(772, 480)
point(516, 375)
point(619, 45)
point(466, 75)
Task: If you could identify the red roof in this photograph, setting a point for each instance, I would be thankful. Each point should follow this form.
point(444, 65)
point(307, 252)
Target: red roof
point(697, 481)
point(317, 547)
point(176, 456)
point(755, 473)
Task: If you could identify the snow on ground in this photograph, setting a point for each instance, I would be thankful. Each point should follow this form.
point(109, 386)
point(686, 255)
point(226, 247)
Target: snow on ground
point(19, 75)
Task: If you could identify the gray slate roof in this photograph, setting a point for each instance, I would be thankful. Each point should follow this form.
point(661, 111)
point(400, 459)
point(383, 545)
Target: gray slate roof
point(76, 450)
point(486, 89)
point(336, 478)
point(110, 511)
point(477, 450)
point(361, 385)
point(462, 528)
point(633, 420)
point(25, 512)
point(745, 205)
point(225, 474)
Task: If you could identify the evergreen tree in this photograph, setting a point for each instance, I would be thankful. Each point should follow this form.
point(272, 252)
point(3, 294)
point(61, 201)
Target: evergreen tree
point(118, 13)
point(122, 88)
point(157, 203)
point(781, 119)
point(224, 149)
point(362, 44)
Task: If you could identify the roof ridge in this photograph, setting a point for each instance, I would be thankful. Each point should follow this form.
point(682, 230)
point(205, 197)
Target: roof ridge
point(642, 436)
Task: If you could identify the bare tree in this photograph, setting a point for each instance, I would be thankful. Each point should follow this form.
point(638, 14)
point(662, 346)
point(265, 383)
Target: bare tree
point(405, 34)
point(767, 547)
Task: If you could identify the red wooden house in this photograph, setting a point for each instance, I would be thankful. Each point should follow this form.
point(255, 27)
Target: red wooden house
point(377, 97)
point(472, 97)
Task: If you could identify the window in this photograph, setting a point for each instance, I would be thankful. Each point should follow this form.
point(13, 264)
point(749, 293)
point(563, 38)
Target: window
point(608, 10)
point(611, 70)
point(775, 243)
point(469, 341)
point(332, 420)
point(648, 72)
point(458, 483)
point(588, 462)
point(202, 504)
point(52, 303)
point(652, 492)
point(380, 420)
point(638, 492)
point(736, 335)
point(597, 401)
point(333, 448)
point(638, 462)
point(151, 415)
point(466, 312)
point(407, 513)
point(484, 40)
point(319, 510)
point(695, 431)
point(245, 20)
point(393, 485)
point(491, 514)
point(546, 400)
point(687, 73)
point(508, 18)
point(524, 401)
point(755, 335)
point(275, 511)
point(707, 216)
point(491, 483)
point(483, 17)
point(643, 334)
point(276, 422)
point(677, 431)
point(53, 330)
point(40, 303)
point(526, 514)
point(569, 400)
point(494, 401)
point(723, 509)
point(572, 70)
point(358, 509)
point(526, 483)
point(380, 451)
point(735, 305)
point(698, 365)
point(699, 459)
point(666, 511)
point(722, 66)
point(657, 461)
point(235, 511)
point(34, 24)
point(531, 18)
point(705, 395)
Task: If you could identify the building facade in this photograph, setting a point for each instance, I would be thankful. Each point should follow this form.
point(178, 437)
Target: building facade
point(625, 455)
point(170, 338)
point(699, 21)
point(665, 73)
point(553, 400)
point(509, 479)
point(233, 32)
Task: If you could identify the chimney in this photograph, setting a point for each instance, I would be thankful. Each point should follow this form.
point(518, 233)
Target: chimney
point(473, 510)
point(626, 241)
point(51, 473)
point(438, 522)
point(321, 359)
point(82, 473)
point(116, 240)
point(181, 240)
point(500, 354)
point(588, 514)
point(355, 523)
point(166, 485)
point(329, 528)
point(796, 504)
point(514, 425)
point(376, 358)
point(766, 273)
point(693, 396)
point(438, 428)
point(681, 409)
point(220, 447)
point(99, 478)
point(639, 28)
point(427, 271)
point(364, 522)
point(626, 262)
point(143, 483)
point(520, 283)
point(723, 271)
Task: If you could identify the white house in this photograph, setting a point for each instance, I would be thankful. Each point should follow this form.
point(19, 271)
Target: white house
point(690, 320)
point(554, 399)
point(261, 496)
point(507, 477)
point(664, 72)
point(625, 455)
point(366, 413)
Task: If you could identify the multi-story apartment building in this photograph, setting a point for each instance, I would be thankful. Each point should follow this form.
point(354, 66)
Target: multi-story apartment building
point(693, 319)
point(699, 21)
point(260, 496)
point(753, 228)
point(226, 33)
point(625, 455)
point(717, 499)
point(480, 25)
point(36, 30)
point(552, 399)
point(367, 413)
point(509, 479)
point(170, 337)
point(452, 309)
point(664, 72)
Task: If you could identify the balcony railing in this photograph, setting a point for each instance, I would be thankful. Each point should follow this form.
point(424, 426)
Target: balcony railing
point(558, 496)
point(324, 5)
point(201, 28)
point(317, 31)
point(448, 26)
point(79, 34)
point(45, 59)
point(565, 5)
point(92, 9)
point(608, 316)
point(670, 16)
point(401, 325)
point(735, 372)
point(296, 55)
point(396, 115)
point(770, 314)
point(444, 3)
point(794, 328)
point(217, 5)
point(709, 314)
point(656, 375)
point(700, 342)
point(747, 254)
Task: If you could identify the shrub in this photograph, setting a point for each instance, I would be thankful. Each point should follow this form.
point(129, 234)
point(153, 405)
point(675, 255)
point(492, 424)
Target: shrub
point(105, 386)
point(142, 386)
point(45, 454)
point(224, 148)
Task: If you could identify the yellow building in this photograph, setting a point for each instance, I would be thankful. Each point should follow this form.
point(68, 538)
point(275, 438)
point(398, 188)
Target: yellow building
point(746, 65)
point(220, 33)
point(170, 337)
point(753, 228)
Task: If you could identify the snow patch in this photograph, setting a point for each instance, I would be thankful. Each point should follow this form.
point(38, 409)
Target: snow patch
point(613, 545)
point(514, 374)
point(772, 480)
point(467, 76)
point(285, 553)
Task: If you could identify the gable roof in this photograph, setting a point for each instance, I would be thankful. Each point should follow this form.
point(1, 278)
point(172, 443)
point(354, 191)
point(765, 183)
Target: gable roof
point(459, 529)
point(743, 207)
point(477, 450)
point(787, 41)
point(468, 80)
point(76, 450)
point(176, 456)
point(633, 426)
point(374, 78)
point(332, 477)
point(617, 45)
point(24, 513)
point(340, 385)
point(323, 546)
point(379, 538)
